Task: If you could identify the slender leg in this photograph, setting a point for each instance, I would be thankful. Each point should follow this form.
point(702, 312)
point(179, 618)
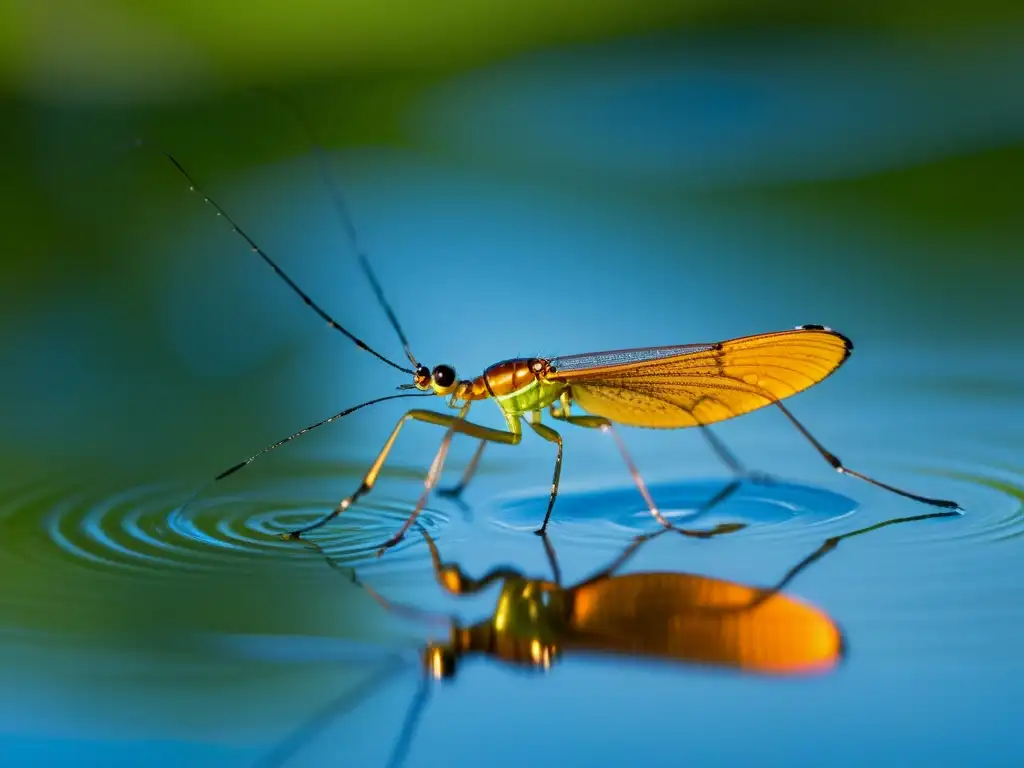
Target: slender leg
point(451, 578)
point(718, 498)
point(629, 551)
point(453, 423)
point(563, 408)
point(399, 609)
point(729, 458)
point(412, 719)
point(549, 550)
point(599, 422)
point(830, 544)
point(457, 425)
point(288, 747)
point(467, 475)
point(838, 466)
point(551, 436)
point(428, 484)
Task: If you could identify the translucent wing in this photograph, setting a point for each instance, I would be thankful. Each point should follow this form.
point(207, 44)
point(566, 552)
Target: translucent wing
point(699, 384)
point(591, 360)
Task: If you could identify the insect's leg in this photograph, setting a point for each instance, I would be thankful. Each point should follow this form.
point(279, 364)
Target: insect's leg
point(551, 436)
point(838, 466)
point(431, 417)
point(454, 424)
point(729, 458)
point(562, 407)
point(599, 422)
point(467, 475)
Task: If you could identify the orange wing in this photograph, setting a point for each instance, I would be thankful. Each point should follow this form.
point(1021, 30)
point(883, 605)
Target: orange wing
point(699, 384)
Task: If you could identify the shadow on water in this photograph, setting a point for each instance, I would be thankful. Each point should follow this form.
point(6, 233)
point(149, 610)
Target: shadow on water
point(678, 617)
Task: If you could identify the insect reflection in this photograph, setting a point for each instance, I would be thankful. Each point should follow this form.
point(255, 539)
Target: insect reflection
point(680, 617)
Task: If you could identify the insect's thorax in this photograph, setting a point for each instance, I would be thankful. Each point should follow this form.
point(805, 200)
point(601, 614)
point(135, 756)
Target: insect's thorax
point(518, 386)
point(526, 628)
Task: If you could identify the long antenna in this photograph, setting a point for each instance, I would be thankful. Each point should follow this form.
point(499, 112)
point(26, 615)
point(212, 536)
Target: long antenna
point(311, 427)
point(341, 207)
point(280, 272)
point(234, 468)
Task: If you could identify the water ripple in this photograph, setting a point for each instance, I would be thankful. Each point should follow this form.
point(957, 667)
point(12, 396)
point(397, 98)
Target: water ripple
point(620, 512)
point(992, 499)
point(145, 530)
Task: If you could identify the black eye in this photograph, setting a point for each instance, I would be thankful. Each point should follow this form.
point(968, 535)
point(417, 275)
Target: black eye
point(422, 372)
point(444, 375)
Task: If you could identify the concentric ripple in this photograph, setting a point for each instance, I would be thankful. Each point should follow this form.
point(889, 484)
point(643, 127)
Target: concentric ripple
point(149, 530)
point(992, 499)
point(622, 511)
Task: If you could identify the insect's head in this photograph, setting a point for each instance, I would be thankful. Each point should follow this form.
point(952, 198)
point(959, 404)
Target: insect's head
point(442, 380)
point(439, 661)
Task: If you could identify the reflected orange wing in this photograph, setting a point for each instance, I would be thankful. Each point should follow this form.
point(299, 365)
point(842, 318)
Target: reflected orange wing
point(699, 384)
point(703, 620)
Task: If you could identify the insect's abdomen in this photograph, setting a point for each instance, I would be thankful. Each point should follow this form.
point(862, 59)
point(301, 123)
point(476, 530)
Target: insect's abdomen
point(516, 387)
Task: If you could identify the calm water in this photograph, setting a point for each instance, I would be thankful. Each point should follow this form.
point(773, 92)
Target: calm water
point(135, 631)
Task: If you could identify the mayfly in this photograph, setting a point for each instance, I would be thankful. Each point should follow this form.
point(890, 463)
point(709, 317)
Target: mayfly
point(668, 387)
point(685, 618)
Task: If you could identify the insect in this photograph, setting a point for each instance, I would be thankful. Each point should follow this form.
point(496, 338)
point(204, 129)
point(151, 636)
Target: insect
point(677, 617)
point(668, 387)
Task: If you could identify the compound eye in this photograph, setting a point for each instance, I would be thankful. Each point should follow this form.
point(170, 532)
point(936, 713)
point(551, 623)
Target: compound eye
point(422, 372)
point(444, 376)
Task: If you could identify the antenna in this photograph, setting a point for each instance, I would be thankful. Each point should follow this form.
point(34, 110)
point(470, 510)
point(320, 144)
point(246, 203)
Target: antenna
point(342, 209)
point(280, 272)
point(273, 446)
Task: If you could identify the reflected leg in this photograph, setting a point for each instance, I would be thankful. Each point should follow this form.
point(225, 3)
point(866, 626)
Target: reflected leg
point(629, 551)
point(391, 606)
point(830, 544)
point(452, 579)
point(549, 550)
